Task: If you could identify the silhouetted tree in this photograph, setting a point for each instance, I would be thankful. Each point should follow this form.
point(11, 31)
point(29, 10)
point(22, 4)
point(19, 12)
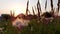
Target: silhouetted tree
point(46, 5)
point(12, 13)
point(52, 11)
point(27, 10)
point(47, 15)
point(6, 16)
point(58, 5)
point(51, 5)
point(33, 11)
point(38, 8)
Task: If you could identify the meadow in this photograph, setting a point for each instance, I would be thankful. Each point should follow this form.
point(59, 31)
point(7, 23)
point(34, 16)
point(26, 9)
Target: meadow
point(34, 27)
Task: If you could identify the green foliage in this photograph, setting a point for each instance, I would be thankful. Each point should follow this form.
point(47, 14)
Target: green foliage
point(8, 28)
point(42, 28)
point(33, 27)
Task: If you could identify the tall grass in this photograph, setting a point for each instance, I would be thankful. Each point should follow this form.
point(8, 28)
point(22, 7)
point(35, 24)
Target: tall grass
point(42, 28)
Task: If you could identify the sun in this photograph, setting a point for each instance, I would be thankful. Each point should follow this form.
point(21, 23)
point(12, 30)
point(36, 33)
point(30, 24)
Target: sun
point(18, 9)
point(17, 12)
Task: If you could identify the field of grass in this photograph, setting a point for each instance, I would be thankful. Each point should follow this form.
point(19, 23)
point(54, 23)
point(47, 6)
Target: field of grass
point(33, 28)
point(42, 28)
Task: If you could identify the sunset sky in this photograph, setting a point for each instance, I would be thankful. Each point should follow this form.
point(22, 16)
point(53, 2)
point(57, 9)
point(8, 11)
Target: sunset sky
point(19, 6)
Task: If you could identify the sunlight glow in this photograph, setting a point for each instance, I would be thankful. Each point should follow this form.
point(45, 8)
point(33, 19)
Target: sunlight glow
point(18, 11)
